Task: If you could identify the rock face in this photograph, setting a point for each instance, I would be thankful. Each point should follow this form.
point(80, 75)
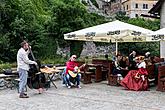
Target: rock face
point(90, 49)
point(65, 52)
point(100, 11)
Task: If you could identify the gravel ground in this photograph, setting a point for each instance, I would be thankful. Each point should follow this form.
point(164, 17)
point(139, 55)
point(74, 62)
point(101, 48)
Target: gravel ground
point(94, 96)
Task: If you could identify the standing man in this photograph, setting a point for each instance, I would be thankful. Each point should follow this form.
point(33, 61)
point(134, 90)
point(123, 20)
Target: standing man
point(23, 67)
point(132, 63)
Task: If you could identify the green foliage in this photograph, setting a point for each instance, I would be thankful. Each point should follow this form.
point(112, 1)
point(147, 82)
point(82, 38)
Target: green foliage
point(76, 48)
point(6, 66)
point(70, 16)
point(121, 16)
point(53, 60)
point(140, 48)
point(95, 3)
point(84, 2)
point(42, 23)
point(145, 23)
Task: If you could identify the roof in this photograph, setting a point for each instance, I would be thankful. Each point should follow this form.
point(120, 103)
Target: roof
point(157, 7)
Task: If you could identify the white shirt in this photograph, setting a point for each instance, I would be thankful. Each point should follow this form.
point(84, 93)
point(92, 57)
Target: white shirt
point(23, 60)
point(142, 65)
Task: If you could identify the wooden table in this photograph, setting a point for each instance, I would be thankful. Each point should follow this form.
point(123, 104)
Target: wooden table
point(50, 72)
point(60, 67)
point(98, 71)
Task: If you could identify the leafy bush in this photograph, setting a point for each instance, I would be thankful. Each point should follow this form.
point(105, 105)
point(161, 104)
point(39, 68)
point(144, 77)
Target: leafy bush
point(84, 2)
point(7, 66)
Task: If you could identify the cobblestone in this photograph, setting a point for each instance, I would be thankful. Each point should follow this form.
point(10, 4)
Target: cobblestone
point(95, 96)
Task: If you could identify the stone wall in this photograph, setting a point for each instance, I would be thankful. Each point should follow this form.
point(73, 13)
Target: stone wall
point(89, 49)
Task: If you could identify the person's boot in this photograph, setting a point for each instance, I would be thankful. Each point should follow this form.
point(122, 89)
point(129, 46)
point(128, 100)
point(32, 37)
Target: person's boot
point(40, 90)
point(22, 95)
point(79, 86)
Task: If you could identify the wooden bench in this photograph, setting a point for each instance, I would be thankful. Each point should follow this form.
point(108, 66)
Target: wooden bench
point(86, 75)
point(161, 79)
point(151, 75)
point(105, 66)
point(8, 80)
point(112, 79)
point(157, 59)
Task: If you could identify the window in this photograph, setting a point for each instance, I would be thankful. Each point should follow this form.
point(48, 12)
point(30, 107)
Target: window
point(136, 5)
point(127, 7)
point(145, 6)
point(136, 15)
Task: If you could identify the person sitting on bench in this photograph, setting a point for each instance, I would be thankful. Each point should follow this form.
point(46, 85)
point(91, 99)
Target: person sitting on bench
point(72, 73)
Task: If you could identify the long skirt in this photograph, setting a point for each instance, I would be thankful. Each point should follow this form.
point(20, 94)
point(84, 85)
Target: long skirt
point(131, 83)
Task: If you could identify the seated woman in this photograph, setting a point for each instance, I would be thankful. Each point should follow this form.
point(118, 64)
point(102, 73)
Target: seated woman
point(136, 79)
point(124, 65)
point(72, 72)
point(119, 67)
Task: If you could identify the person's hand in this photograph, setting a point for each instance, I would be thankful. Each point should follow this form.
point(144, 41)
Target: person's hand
point(136, 76)
point(35, 63)
point(76, 69)
point(142, 76)
point(84, 65)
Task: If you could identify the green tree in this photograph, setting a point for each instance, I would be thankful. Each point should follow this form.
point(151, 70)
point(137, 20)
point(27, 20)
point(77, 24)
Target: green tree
point(70, 16)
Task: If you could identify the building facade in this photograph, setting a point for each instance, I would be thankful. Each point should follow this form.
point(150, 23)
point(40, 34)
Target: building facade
point(134, 8)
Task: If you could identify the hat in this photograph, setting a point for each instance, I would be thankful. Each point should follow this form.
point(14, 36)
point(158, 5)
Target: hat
point(141, 58)
point(147, 53)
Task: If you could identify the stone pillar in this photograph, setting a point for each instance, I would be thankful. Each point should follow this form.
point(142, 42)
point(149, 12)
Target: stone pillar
point(162, 49)
point(162, 25)
point(162, 16)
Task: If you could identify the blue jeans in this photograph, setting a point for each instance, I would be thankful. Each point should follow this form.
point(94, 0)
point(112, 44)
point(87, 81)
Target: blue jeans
point(77, 79)
point(23, 75)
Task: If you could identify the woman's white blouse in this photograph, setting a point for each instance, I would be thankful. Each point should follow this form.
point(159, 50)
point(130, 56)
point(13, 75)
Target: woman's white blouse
point(142, 65)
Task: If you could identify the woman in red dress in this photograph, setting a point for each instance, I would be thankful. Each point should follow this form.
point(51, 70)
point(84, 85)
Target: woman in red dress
point(136, 79)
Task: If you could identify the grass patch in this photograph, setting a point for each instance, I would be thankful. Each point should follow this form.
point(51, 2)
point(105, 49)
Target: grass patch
point(55, 60)
point(7, 66)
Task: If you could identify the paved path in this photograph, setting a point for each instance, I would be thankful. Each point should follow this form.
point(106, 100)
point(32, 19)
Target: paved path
point(95, 96)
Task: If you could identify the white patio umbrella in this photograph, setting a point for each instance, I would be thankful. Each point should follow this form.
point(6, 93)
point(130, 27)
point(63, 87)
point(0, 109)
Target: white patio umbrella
point(157, 35)
point(115, 31)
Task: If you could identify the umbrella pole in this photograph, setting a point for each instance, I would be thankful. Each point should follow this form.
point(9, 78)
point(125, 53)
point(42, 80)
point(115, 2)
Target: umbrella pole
point(116, 47)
